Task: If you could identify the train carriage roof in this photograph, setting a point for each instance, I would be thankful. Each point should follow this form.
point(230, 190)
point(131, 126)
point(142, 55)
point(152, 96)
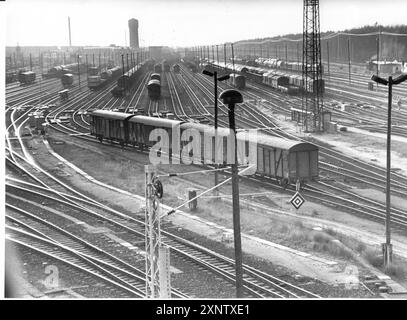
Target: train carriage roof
point(28, 73)
point(107, 114)
point(204, 128)
point(157, 122)
point(153, 82)
point(277, 142)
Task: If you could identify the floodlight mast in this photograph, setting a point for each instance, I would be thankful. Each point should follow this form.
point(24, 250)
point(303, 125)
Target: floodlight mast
point(387, 247)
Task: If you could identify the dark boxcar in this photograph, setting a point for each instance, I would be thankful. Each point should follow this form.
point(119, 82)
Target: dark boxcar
point(286, 160)
point(26, 77)
point(93, 71)
point(95, 82)
point(154, 89)
point(275, 79)
point(109, 125)
point(117, 92)
point(67, 79)
point(238, 81)
point(127, 80)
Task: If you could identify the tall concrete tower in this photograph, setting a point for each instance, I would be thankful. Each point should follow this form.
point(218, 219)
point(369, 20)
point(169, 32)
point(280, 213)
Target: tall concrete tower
point(133, 32)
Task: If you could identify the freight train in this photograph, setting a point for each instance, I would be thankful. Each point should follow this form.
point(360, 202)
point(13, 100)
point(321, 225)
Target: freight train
point(105, 77)
point(279, 64)
point(294, 85)
point(127, 80)
point(285, 160)
point(59, 71)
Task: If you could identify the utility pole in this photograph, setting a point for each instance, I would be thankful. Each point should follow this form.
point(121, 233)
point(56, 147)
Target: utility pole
point(79, 74)
point(233, 58)
point(327, 54)
point(123, 73)
point(349, 62)
point(377, 58)
point(87, 66)
point(217, 55)
point(224, 52)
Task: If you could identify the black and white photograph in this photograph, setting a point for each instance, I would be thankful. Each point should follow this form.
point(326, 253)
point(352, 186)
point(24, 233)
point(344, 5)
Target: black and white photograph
point(188, 151)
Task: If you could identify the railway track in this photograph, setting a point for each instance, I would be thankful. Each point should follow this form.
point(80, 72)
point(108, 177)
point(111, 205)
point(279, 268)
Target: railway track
point(266, 289)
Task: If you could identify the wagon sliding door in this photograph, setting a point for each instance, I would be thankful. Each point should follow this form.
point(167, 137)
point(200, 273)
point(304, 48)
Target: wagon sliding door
point(303, 165)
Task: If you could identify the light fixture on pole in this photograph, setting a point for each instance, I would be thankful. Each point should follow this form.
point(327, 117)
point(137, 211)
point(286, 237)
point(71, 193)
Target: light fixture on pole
point(216, 79)
point(387, 247)
point(231, 97)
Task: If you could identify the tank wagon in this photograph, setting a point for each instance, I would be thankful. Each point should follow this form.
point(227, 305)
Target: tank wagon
point(59, 71)
point(67, 79)
point(286, 161)
point(105, 77)
point(154, 89)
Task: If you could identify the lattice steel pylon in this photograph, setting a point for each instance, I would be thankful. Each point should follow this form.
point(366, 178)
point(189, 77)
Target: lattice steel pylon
point(152, 235)
point(313, 87)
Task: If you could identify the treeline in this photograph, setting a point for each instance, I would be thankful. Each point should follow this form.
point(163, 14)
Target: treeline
point(361, 48)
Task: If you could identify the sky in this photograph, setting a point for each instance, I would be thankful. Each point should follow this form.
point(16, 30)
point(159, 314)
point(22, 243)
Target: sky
point(181, 22)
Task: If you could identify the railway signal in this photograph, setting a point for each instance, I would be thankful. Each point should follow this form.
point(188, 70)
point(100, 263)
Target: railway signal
point(297, 200)
point(387, 247)
point(157, 256)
